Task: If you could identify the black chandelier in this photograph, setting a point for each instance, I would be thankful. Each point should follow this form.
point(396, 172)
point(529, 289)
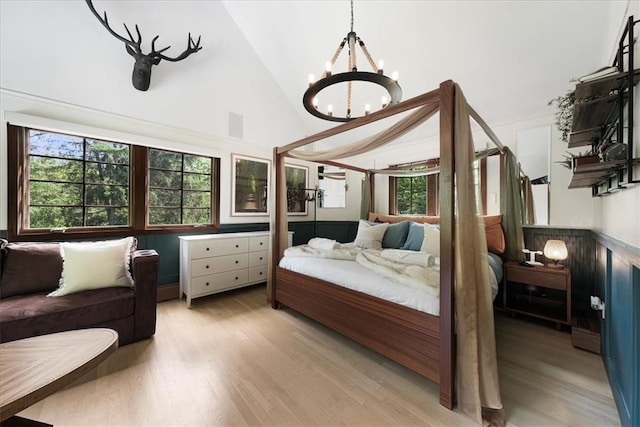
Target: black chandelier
point(310, 99)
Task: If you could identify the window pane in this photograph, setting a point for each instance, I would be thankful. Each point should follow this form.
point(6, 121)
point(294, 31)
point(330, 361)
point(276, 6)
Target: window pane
point(197, 199)
point(107, 195)
point(49, 169)
point(197, 216)
point(107, 152)
point(104, 173)
point(164, 198)
point(165, 179)
point(197, 164)
point(54, 217)
point(165, 160)
point(197, 182)
point(160, 216)
point(51, 193)
point(55, 145)
point(105, 216)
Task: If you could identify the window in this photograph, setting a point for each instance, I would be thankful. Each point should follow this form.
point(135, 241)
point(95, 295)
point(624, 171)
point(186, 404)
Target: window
point(79, 185)
point(179, 188)
point(419, 195)
point(76, 182)
point(411, 194)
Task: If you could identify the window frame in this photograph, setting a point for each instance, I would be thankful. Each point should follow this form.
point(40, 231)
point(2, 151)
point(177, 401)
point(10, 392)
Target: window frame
point(17, 162)
point(433, 187)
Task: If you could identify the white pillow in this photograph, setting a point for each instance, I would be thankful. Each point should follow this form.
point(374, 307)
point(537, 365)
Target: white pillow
point(431, 241)
point(370, 236)
point(94, 265)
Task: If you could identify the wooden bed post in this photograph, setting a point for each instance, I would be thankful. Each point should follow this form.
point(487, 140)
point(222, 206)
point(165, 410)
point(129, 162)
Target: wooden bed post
point(447, 270)
point(278, 159)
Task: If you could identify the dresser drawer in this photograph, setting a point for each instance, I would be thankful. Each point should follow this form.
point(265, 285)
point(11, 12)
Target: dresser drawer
point(215, 282)
point(258, 258)
point(531, 276)
point(216, 247)
point(204, 266)
point(258, 274)
point(259, 243)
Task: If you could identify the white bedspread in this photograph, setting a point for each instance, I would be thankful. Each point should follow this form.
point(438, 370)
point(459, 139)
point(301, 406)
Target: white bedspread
point(408, 279)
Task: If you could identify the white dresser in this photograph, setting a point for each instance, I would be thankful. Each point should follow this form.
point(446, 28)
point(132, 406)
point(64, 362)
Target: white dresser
point(211, 263)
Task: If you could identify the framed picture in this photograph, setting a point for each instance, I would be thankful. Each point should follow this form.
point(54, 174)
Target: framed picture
point(296, 178)
point(250, 185)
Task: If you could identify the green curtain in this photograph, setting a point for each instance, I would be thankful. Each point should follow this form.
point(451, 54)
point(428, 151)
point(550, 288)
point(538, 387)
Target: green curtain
point(365, 203)
point(511, 207)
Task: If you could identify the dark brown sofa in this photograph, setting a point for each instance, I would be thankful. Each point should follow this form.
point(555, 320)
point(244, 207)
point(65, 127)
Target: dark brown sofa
point(29, 271)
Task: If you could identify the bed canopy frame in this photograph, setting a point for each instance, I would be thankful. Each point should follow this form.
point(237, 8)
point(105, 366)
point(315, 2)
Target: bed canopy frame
point(424, 343)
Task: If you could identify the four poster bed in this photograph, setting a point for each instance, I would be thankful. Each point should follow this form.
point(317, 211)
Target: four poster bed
point(425, 343)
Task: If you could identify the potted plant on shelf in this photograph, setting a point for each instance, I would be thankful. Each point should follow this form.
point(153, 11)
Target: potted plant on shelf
point(572, 160)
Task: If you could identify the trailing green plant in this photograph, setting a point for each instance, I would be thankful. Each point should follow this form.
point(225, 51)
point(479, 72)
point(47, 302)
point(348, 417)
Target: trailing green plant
point(564, 113)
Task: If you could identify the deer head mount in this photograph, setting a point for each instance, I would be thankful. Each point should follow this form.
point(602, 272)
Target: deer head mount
point(141, 76)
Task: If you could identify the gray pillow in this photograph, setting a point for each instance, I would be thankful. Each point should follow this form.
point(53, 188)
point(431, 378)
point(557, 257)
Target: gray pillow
point(396, 235)
point(415, 236)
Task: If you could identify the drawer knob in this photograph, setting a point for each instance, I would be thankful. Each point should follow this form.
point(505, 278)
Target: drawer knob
point(260, 258)
point(237, 246)
point(207, 248)
point(236, 277)
point(261, 273)
point(207, 284)
point(207, 266)
point(236, 261)
point(260, 243)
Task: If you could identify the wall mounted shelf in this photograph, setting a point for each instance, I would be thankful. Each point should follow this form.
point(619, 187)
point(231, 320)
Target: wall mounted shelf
point(603, 114)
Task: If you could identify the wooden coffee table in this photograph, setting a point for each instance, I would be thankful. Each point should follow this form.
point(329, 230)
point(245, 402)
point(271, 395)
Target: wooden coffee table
point(33, 368)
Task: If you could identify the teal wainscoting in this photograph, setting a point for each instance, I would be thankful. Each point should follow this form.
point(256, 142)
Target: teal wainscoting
point(168, 246)
point(618, 275)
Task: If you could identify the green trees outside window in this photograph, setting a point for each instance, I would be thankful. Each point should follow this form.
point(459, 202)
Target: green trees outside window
point(77, 182)
point(82, 186)
point(179, 188)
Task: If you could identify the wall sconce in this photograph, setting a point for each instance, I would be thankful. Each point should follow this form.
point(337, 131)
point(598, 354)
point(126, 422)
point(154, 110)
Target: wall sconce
point(555, 250)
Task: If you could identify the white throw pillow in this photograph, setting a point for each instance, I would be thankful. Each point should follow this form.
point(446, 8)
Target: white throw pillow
point(431, 241)
point(94, 265)
point(370, 236)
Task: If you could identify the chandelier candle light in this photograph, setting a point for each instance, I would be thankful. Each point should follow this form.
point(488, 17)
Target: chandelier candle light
point(310, 100)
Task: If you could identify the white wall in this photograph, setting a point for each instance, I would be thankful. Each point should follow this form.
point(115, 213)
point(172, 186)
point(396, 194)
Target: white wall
point(618, 214)
point(58, 62)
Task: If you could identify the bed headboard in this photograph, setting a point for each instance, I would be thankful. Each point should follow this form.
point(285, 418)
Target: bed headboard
point(496, 241)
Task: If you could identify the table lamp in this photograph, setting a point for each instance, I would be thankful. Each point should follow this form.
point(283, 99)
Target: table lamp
point(555, 250)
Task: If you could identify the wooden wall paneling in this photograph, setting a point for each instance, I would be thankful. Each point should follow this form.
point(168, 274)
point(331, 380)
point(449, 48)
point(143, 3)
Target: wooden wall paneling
point(581, 259)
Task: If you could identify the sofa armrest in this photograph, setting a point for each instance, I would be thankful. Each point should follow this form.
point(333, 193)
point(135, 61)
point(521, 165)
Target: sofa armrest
point(144, 264)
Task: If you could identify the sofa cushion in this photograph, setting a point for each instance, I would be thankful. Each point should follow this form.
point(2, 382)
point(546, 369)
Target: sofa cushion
point(29, 268)
point(36, 314)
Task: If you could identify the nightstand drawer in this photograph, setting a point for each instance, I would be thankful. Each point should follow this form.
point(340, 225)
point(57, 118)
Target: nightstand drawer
point(531, 276)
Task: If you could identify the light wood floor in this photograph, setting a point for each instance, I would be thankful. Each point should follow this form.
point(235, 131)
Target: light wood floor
point(232, 360)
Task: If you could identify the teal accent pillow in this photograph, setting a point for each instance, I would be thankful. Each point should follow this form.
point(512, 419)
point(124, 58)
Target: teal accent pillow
point(396, 235)
point(415, 236)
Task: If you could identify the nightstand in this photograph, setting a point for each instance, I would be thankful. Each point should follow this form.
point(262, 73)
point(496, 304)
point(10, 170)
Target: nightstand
point(539, 291)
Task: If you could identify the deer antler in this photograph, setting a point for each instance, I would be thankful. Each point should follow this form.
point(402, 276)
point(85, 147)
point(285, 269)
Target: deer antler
point(133, 46)
point(191, 48)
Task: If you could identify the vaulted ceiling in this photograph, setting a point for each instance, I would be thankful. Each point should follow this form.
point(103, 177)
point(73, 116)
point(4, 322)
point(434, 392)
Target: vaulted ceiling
point(510, 57)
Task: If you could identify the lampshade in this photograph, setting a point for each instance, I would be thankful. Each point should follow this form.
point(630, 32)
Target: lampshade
point(555, 250)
